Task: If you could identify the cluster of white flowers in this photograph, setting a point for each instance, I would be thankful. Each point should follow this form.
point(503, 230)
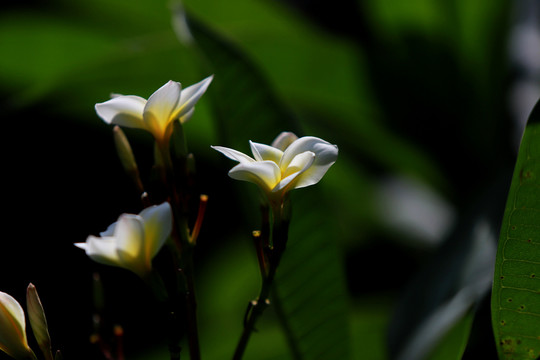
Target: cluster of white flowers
point(134, 240)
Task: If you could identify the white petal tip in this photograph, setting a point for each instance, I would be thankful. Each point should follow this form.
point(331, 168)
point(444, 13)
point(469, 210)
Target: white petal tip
point(80, 245)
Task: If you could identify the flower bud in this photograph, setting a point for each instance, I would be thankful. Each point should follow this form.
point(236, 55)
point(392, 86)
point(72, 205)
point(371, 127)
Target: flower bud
point(38, 322)
point(125, 153)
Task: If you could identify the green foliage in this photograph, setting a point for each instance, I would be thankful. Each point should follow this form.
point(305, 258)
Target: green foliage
point(516, 292)
point(312, 295)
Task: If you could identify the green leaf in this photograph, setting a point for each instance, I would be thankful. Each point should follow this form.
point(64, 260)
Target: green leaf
point(369, 320)
point(310, 286)
point(243, 100)
point(39, 51)
point(516, 287)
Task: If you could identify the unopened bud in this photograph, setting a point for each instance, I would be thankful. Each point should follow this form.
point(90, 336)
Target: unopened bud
point(38, 321)
point(125, 154)
point(283, 140)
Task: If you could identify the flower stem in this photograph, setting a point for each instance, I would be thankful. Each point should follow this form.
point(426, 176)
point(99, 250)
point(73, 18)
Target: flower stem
point(191, 309)
point(185, 249)
point(280, 227)
point(256, 309)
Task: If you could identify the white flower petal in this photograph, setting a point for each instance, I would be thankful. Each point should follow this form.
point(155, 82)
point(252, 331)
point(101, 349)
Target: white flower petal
point(101, 250)
point(265, 174)
point(123, 110)
point(325, 156)
point(109, 231)
point(190, 96)
point(283, 140)
point(129, 234)
point(13, 329)
point(233, 154)
point(160, 107)
point(157, 227)
point(320, 166)
point(184, 118)
point(298, 165)
point(263, 152)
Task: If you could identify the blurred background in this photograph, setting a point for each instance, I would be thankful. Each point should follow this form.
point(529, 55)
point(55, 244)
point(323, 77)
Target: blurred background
point(391, 255)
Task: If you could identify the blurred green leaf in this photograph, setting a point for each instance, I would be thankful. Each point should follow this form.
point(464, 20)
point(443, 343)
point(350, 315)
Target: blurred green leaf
point(310, 284)
point(391, 17)
point(454, 343)
point(229, 280)
point(369, 320)
point(41, 50)
point(444, 295)
point(244, 101)
point(516, 290)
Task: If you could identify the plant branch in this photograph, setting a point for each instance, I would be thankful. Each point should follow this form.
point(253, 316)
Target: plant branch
point(271, 260)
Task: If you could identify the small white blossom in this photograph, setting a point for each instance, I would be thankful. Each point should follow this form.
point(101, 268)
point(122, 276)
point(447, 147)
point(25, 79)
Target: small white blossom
point(290, 163)
point(132, 241)
point(156, 115)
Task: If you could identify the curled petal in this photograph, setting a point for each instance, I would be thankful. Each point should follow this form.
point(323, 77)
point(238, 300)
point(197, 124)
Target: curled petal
point(101, 250)
point(184, 118)
point(298, 165)
point(157, 227)
point(189, 97)
point(265, 174)
point(109, 231)
point(233, 154)
point(283, 140)
point(129, 234)
point(123, 110)
point(160, 106)
point(263, 152)
point(325, 156)
point(13, 339)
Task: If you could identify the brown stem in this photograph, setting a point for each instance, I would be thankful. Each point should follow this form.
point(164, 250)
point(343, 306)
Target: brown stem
point(185, 249)
point(254, 312)
point(279, 240)
point(191, 309)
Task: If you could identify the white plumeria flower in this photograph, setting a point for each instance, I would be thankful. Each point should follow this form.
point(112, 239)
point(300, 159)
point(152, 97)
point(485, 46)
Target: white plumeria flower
point(13, 339)
point(289, 163)
point(132, 241)
point(168, 103)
